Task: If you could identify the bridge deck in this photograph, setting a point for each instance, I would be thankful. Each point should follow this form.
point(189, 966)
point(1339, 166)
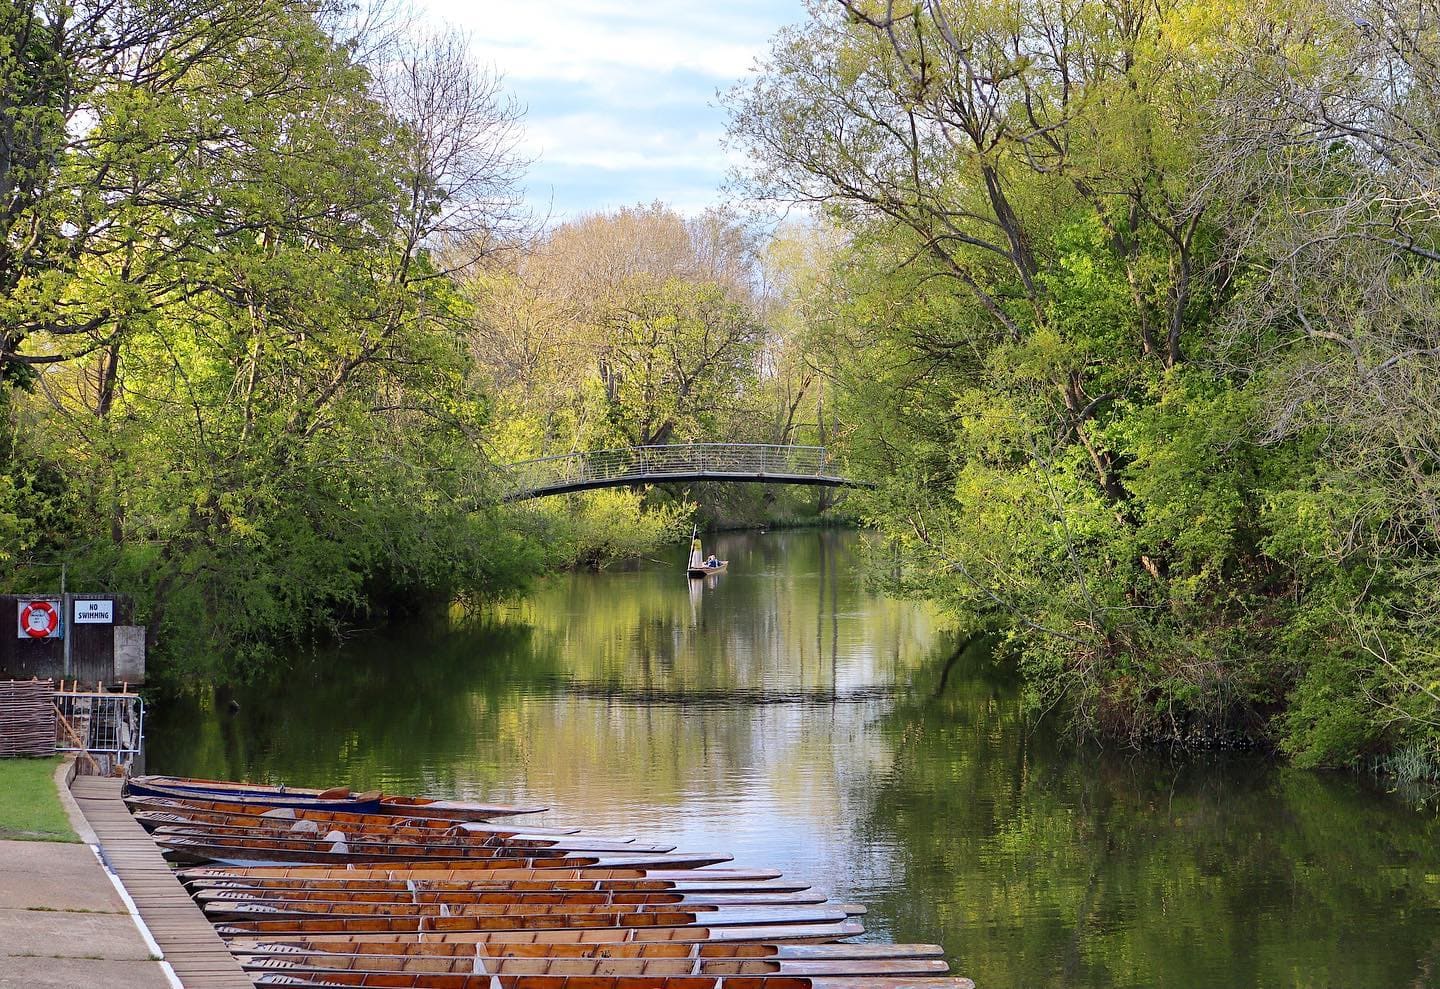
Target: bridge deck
point(751, 463)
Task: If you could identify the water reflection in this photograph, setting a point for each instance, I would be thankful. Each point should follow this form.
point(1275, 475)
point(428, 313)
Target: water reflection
point(783, 713)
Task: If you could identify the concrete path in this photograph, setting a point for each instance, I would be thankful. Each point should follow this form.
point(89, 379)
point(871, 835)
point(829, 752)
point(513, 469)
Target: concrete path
point(62, 924)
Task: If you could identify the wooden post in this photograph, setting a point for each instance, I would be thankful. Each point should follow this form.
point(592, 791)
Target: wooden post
point(74, 737)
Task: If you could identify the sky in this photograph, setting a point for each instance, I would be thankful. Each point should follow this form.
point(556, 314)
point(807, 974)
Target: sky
point(621, 95)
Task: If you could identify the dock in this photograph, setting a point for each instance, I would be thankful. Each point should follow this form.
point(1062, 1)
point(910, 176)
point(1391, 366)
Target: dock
point(187, 941)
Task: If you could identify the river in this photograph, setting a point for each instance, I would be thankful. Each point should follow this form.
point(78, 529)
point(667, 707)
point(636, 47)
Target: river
point(784, 713)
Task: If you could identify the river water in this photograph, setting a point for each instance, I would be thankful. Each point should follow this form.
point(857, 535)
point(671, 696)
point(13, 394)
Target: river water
point(783, 713)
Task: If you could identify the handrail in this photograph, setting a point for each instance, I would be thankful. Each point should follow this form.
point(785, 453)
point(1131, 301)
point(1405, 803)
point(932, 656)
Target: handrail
point(766, 463)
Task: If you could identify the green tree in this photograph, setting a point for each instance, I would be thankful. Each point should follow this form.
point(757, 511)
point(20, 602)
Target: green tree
point(255, 382)
point(1034, 370)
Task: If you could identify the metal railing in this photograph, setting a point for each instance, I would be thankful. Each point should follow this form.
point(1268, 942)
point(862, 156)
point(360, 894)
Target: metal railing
point(755, 462)
point(108, 728)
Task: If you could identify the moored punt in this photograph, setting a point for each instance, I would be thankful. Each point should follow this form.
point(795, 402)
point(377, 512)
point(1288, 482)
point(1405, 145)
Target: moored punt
point(339, 852)
point(562, 918)
point(494, 881)
point(625, 982)
point(338, 798)
point(376, 952)
point(158, 813)
point(360, 840)
point(432, 872)
point(280, 897)
point(508, 907)
point(456, 972)
point(601, 937)
point(229, 812)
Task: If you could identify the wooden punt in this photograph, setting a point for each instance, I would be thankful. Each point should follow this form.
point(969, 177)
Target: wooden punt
point(509, 907)
point(378, 824)
point(433, 872)
point(338, 852)
point(421, 887)
point(278, 897)
point(338, 798)
point(440, 840)
point(455, 973)
point(376, 952)
point(532, 921)
point(146, 808)
point(820, 933)
point(618, 982)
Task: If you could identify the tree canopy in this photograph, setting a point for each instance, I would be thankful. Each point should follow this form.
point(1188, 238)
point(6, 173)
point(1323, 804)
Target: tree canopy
point(1140, 347)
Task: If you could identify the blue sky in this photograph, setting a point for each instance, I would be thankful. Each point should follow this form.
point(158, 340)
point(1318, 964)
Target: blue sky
point(621, 95)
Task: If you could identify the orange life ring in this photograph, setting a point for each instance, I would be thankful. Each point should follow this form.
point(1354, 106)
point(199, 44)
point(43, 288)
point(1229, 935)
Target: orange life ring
point(45, 608)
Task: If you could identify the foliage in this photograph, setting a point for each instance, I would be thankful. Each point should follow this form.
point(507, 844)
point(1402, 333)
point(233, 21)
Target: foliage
point(595, 529)
point(238, 379)
point(1138, 342)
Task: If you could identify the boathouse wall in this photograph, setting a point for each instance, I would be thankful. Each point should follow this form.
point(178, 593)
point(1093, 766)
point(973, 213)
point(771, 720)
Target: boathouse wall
point(100, 652)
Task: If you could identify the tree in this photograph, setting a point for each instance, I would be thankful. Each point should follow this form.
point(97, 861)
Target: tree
point(1028, 373)
point(253, 353)
point(1329, 163)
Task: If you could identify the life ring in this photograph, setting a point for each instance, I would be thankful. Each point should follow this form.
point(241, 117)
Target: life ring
point(46, 611)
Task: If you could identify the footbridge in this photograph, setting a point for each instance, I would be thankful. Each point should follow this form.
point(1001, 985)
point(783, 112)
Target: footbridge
point(755, 463)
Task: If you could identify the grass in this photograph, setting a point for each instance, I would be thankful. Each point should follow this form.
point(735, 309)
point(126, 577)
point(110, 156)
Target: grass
point(30, 809)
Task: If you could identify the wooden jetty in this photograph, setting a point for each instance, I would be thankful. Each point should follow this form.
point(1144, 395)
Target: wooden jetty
point(278, 887)
point(190, 944)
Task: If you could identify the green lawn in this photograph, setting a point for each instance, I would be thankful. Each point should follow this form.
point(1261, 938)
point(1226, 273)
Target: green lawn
point(29, 806)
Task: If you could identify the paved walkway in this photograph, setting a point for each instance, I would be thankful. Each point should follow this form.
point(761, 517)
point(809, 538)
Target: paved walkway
point(62, 924)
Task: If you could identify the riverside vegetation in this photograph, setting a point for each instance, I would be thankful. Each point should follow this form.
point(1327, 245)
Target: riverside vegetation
point(1128, 308)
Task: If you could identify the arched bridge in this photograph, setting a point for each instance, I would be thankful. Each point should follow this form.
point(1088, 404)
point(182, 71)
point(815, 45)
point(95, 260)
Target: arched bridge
point(757, 463)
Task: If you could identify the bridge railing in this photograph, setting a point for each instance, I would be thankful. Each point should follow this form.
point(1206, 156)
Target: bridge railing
point(600, 467)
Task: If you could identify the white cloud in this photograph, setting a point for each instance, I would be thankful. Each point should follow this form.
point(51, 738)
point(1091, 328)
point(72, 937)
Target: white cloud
point(621, 89)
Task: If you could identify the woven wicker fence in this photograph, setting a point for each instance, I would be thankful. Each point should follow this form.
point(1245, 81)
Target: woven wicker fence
point(27, 717)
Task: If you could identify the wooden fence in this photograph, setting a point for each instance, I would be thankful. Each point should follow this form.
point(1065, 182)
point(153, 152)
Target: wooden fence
point(27, 717)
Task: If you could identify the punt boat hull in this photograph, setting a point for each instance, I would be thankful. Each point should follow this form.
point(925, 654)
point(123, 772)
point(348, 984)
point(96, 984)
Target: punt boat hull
point(617, 982)
point(823, 933)
point(338, 799)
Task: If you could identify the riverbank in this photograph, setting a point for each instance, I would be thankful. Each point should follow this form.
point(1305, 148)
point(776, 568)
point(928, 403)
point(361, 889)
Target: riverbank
point(31, 810)
point(63, 922)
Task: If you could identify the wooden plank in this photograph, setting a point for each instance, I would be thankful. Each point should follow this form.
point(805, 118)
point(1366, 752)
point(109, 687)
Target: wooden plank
point(187, 940)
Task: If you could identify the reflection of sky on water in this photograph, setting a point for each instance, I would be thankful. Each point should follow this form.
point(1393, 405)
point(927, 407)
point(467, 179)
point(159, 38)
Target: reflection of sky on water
point(775, 674)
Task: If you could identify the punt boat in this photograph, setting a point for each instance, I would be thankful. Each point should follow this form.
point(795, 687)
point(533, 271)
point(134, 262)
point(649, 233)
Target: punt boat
point(614, 982)
point(533, 921)
point(377, 952)
point(281, 897)
point(817, 932)
point(464, 872)
point(699, 566)
point(153, 812)
point(512, 907)
point(337, 851)
point(494, 880)
point(438, 841)
point(445, 972)
point(337, 798)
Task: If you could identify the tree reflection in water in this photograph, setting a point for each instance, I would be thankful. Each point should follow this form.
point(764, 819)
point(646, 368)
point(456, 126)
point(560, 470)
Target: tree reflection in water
point(786, 714)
